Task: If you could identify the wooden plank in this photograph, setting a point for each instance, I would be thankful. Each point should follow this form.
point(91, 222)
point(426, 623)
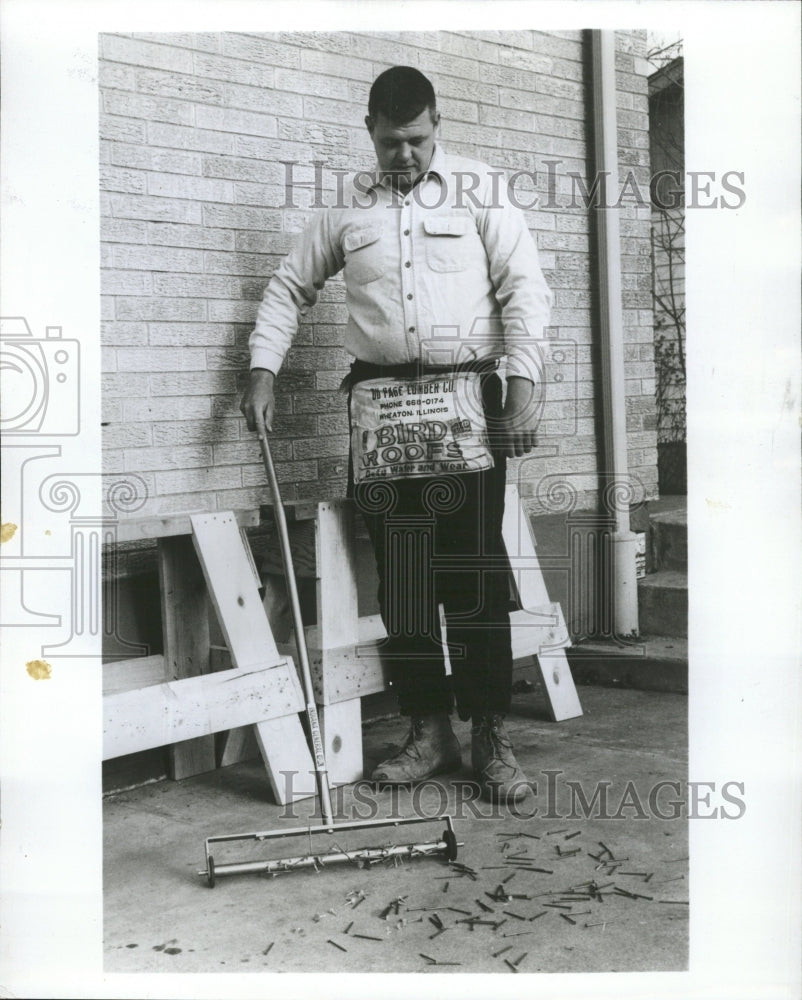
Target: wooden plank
point(128, 675)
point(555, 672)
point(185, 632)
point(538, 630)
point(345, 672)
point(552, 663)
point(247, 742)
point(520, 543)
point(232, 588)
point(342, 741)
point(233, 745)
point(197, 706)
point(136, 529)
point(286, 756)
point(337, 614)
point(235, 595)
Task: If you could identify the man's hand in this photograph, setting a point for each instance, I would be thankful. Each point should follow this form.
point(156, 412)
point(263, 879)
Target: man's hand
point(258, 404)
point(520, 417)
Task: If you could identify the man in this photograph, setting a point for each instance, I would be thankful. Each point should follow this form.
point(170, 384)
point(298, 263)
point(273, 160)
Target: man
point(442, 280)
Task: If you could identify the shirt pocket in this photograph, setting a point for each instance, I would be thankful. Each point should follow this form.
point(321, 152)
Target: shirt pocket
point(364, 254)
point(447, 242)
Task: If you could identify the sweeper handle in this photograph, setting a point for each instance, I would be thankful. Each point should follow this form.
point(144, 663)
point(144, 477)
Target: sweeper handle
point(321, 771)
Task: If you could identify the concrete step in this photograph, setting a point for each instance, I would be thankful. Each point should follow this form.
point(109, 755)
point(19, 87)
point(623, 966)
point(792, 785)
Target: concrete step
point(669, 540)
point(663, 603)
point(650, 663)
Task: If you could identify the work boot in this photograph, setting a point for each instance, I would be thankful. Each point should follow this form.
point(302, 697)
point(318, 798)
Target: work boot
point(431, 748)
point(494, 764)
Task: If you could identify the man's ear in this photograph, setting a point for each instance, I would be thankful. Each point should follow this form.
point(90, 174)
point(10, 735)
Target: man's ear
point(436, 120)
point(369, 124)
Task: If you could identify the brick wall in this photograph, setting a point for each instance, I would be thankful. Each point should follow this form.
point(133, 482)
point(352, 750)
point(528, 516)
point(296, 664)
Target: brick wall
point(193, 131)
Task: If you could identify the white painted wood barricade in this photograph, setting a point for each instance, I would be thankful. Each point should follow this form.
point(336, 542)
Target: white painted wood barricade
point(174, 698)
point(251, 689)
point(344, 648)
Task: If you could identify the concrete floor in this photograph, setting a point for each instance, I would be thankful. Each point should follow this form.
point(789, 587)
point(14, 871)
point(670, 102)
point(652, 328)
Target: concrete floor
point(161, 917)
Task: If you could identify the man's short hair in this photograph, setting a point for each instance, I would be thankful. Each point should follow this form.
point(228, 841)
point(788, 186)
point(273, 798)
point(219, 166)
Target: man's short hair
point(400, 94)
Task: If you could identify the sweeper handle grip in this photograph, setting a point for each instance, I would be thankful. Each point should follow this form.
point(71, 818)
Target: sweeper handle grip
point(321, 770)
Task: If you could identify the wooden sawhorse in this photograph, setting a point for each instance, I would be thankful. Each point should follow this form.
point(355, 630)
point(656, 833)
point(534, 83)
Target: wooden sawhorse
point(344, 647)
point(173, 698)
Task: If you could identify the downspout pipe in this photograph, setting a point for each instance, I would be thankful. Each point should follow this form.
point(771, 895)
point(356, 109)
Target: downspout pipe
point(615, 482)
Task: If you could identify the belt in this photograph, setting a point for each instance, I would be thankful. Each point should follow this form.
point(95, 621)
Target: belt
point(363, 370)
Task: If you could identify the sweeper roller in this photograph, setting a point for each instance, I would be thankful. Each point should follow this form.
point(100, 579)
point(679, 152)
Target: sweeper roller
point(446, 846)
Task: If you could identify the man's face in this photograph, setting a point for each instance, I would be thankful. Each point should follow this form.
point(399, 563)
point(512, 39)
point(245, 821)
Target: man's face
point(403, 151)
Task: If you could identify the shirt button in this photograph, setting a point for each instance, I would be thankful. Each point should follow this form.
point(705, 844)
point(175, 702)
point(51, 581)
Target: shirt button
point(406, 202)
point(409, 295)
point(406, 232)
point(408, 263)
point(412, 329)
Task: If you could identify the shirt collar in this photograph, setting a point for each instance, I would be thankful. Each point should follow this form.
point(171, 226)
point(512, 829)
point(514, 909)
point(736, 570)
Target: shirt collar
point(437, 168)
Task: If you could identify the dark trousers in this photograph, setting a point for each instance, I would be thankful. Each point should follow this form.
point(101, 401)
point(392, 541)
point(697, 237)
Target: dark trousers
point(437, 540)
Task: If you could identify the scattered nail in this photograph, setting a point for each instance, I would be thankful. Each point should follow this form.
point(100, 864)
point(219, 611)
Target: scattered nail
point(329, 941)
point(502, 950)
